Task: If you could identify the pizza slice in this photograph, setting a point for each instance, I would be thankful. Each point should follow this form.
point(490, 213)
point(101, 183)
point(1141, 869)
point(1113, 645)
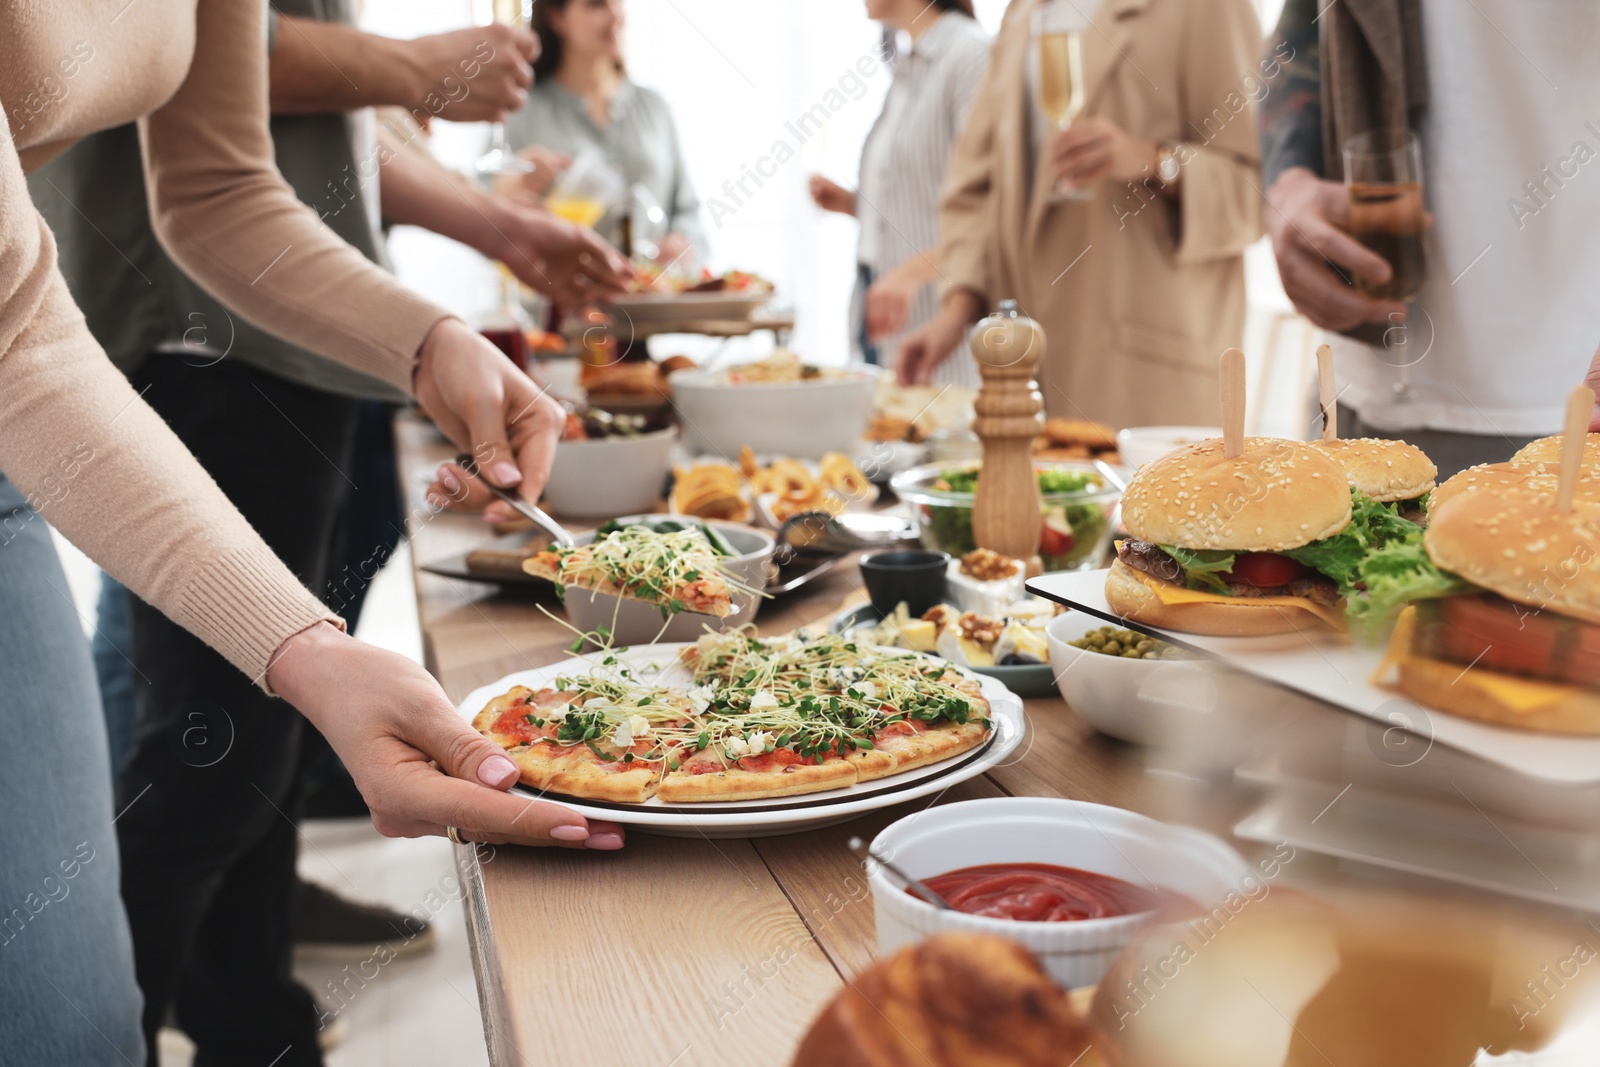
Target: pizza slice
point(561, 746)
point(677, 571)
point(907, 741)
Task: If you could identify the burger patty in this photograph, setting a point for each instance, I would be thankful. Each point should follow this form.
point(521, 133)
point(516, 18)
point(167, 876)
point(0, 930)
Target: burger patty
point(1150, 558)
point(1492, 633)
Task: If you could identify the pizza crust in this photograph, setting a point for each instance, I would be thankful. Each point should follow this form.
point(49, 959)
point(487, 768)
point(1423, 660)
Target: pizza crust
point(578, 772)
point(735, 783)
point(898, 753)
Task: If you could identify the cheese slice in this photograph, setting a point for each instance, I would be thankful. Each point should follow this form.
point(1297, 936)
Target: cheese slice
point(1523, 696)
point(1169, 593)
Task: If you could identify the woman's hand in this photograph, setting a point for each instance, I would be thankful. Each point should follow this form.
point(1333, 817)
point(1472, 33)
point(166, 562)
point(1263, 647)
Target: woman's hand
point(531, 187)
point(673, 247)
point(888, 303)
point(453, 489)
point(923, 350)
point(1095, 148)
point(390, 723)
point(831, 196)
point(488, 407)
point(572, 265)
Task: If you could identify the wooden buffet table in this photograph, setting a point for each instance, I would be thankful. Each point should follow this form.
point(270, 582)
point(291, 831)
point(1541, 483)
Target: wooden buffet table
point(693, 951)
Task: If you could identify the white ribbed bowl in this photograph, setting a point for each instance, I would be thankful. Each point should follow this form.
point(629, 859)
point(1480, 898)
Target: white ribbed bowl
point(1067, 833)
point(609, 476)
point(800, 419)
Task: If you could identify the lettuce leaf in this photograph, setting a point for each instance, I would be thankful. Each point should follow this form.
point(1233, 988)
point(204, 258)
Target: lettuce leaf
point(1394, 576)
point(1203, 567)
point(1372, 525)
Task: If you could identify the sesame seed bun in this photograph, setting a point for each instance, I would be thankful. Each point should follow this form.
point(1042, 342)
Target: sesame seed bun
point(1384, 470)
point(1130, 595)
point(1531, 479)
point(1548, 450)
point(1522, 548)
point(1276, 495)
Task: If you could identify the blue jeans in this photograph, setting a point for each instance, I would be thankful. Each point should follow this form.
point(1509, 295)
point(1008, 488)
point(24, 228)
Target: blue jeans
point(66, 959)
point(112, 649)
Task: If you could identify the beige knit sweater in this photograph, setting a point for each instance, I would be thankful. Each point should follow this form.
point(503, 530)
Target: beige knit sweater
point(95, 460)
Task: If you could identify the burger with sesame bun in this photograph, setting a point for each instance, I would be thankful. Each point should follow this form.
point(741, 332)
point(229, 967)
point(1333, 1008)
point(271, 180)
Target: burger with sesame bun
point(1265, 542)
point(1390, 472)
point(1517, 641)
point(1548, 450)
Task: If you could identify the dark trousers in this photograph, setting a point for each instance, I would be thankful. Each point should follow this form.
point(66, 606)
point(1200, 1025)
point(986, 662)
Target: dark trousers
point(211, 792)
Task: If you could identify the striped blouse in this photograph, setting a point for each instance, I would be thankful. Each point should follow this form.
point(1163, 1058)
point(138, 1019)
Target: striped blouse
point(905, 156)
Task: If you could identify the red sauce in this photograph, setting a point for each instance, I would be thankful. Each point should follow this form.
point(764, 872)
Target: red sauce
point(1040, 892)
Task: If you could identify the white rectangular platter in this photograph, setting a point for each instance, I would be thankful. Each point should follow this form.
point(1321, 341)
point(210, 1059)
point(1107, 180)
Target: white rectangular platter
point(1335, 670)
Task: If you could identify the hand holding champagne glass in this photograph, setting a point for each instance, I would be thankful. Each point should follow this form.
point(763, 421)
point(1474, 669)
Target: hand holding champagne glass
point(498, 158)
point(1058, 42)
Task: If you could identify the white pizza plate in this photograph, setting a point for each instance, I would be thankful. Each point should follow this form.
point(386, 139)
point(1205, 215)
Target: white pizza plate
point(1337, 671)
point(776, 815)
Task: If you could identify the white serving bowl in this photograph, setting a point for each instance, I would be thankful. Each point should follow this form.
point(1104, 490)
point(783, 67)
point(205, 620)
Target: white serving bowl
point(634, 622)
point(608, 476)
point(1139, 445)
point(1148, 702)
point(1066, 833)
point(801, 419)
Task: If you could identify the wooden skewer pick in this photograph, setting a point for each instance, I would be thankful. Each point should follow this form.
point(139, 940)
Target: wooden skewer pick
point(1328, 392)
point(1232, 375)
point(1574, 434)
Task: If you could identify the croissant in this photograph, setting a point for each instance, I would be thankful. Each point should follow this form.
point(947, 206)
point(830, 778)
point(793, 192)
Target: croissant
point(954, 1000)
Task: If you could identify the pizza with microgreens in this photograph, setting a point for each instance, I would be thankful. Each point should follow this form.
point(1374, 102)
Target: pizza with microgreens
point(758, 719)
point(677, 570)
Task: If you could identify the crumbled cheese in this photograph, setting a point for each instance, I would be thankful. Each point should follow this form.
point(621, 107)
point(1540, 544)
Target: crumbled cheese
point(757, 742)
point(700, 696)
point(638, 725)
point(763, 700)
point(558, 713)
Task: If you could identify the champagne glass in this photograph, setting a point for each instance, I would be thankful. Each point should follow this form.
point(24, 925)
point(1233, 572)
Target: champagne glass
point(1058, 43)
point(499, 158)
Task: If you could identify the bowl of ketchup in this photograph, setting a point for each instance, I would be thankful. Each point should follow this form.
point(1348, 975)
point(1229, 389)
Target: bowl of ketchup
point(1071, 881)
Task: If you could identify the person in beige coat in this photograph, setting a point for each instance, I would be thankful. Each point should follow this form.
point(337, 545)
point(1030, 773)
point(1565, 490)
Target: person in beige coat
point(1140, 286)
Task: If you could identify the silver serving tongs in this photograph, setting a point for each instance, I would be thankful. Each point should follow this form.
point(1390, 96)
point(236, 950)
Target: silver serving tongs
point(528, 511)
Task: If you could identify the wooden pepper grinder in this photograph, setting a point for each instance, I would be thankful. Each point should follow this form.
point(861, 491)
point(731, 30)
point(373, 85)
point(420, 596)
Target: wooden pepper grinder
point(1006, 514)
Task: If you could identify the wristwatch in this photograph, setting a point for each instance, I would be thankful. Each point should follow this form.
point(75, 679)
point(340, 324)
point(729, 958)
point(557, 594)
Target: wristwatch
point(1166, 164)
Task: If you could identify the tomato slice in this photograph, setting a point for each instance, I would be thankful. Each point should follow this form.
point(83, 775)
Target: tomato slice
point(1054, 540)
point(1267, 570)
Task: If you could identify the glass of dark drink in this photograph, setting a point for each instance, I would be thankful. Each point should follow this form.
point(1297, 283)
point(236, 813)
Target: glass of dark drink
point(1383, 176)
point(506, 326)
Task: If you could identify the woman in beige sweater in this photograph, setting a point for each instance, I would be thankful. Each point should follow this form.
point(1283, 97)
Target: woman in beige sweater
point(78, 447)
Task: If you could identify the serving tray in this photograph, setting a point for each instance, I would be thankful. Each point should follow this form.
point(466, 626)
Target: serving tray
point(1337, 671)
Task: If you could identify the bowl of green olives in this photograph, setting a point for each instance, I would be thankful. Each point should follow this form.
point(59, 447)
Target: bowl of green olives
point(1124, 683)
